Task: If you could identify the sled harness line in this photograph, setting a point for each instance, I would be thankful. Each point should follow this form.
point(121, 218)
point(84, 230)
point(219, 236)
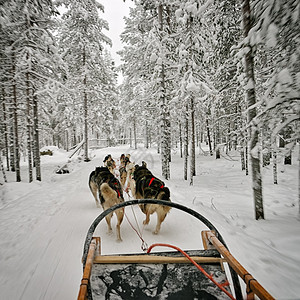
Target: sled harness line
point(138, 231)
point(144, 245)
point(221, 286)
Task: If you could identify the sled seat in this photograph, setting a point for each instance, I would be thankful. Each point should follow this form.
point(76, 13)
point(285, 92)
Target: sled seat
point(163, 275)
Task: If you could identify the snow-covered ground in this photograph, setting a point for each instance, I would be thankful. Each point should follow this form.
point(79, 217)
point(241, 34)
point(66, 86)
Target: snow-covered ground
point(43, 224)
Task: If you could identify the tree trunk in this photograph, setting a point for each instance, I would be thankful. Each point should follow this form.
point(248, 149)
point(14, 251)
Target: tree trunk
point(67, 140)
point(193, 146)
point(242, 153)
point(217, 139)
point(85, 108)
point(5, 129)
point(28, 121)
point(169, 142)
point(218, 152)
point(180, 139)
point(251, 100)
point(37, 156)
point(11, 141)
point(165, 147)
point(246, 161)
point(266, 158)
point(147, 135)
point(186, 143)
point(275, 181)
point(130, 137)
point(15, 122)
point(208, 137)
point(2, 169)
point(134, 133)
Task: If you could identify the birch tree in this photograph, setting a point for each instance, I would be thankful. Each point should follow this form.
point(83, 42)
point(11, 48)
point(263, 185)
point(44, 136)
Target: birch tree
point(251, 101)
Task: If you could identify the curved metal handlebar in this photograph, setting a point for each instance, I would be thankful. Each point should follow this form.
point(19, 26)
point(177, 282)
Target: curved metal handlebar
point(190, 211)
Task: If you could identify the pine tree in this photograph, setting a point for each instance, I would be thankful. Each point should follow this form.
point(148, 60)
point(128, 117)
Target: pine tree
point(82, 39)
point(29, 47)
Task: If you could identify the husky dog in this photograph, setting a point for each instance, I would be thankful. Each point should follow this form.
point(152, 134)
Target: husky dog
point(103, 183)
point(124, 161)
point(129, 182)
point(109, 163)
point(148, 186)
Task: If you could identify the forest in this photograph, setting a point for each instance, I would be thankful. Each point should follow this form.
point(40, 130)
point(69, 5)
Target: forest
point(225, 73)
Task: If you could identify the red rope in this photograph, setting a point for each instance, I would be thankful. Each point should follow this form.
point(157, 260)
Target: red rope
point(195, 264)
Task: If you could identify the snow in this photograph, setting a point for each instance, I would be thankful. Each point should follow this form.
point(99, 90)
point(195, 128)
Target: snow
point(285, 77)
point(43, 224)
point(271, 38)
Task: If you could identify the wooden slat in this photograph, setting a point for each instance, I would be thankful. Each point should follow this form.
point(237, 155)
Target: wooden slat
point(151, 259)
point(240, 270)
point(88, 268)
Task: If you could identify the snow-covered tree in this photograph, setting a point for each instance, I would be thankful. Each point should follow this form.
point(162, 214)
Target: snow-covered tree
point(81, 40)
point(30, 48)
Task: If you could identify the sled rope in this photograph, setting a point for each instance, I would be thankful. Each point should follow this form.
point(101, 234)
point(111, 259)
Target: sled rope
point(221, 286)
point(138, 231)
point(144, 245)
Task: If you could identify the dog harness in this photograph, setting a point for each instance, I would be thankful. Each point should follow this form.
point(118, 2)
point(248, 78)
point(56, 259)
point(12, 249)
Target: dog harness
point(151, 180)
point(117, 190)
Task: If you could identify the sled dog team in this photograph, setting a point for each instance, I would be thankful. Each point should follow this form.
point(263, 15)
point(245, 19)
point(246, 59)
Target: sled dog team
point(108, 190)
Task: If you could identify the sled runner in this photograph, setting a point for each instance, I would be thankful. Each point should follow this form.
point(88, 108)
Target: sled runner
point(194, 274)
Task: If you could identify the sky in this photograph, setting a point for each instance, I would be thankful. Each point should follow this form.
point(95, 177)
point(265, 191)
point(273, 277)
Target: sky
point(114, 11)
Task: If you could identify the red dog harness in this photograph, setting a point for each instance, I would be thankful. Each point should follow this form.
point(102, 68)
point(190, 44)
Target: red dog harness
point(151, 180)
point(117, 190)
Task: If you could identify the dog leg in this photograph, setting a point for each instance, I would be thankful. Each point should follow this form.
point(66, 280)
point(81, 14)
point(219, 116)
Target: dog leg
point(160, 218)
point(94, 190)
point(147, 220)
point(108, 221)
point(120, 215)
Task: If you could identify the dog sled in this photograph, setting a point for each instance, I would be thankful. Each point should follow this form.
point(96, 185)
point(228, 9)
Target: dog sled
point(189, 274)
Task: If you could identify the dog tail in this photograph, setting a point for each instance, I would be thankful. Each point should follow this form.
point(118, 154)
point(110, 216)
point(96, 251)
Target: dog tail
point(107, 192)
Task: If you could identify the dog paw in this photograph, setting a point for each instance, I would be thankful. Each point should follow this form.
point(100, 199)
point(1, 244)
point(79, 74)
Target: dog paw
point(155, 232)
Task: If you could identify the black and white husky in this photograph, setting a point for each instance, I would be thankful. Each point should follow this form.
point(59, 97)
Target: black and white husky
point(104, 184)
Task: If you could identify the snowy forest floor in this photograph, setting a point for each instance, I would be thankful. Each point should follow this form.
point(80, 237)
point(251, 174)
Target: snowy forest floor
point(43, 224)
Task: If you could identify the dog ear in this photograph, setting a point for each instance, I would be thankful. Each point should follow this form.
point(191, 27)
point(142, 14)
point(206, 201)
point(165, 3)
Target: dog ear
point(144, 164)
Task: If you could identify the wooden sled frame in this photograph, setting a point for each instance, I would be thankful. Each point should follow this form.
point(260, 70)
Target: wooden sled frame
point(211, 240)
